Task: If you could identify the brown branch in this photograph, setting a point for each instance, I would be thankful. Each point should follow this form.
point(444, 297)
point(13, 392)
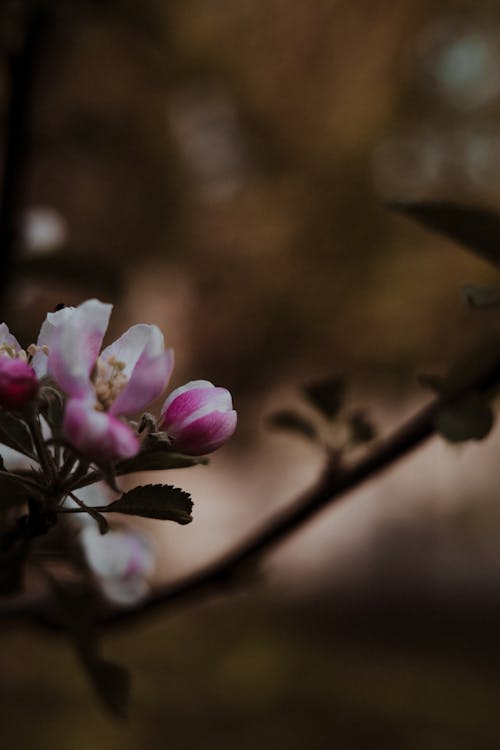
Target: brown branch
point(335, 483)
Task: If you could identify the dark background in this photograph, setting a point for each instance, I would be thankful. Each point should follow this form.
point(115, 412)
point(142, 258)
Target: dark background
point(223, 169)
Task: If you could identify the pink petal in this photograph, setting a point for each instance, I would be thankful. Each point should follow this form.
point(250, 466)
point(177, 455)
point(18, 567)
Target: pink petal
point(131, 345)
point(98, 435)
point(75, 346)
point(18, 383)
point(205, 434)
point(149, 378)
point(193, 400)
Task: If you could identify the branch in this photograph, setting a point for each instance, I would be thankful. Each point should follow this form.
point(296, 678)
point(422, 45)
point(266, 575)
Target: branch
point(335, 483)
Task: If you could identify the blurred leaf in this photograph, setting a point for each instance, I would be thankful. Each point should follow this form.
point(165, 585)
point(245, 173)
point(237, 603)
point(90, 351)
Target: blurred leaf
point(475, 228)
point(157, 461)
point(292, 422)
point(470, 418)
point(52, 407)
point(111, 683)
point(481, 297)
point(15, 434)
point(361, 428)
point(326, 395)
point(161, 501)
point(473, 364)
point(77, 611)
point(433, 382)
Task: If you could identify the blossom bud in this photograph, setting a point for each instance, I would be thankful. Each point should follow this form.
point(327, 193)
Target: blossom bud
point(18, 383)
point(198, 417)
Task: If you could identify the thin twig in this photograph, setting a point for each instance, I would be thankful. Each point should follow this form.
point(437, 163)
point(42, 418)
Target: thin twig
point(333, 485)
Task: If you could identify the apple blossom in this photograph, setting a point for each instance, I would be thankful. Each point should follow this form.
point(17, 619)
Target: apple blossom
point(101, 388)
point(198, 417)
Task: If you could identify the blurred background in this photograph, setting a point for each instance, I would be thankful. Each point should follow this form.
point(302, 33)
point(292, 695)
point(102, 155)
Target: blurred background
point(223, 170)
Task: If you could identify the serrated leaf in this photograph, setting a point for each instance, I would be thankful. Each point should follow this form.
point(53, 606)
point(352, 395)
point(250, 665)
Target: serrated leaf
point(156, 461)
point(481, 297)
point(292, 422)
point(470, 418)
point(326, 395)
point(111, 683)
point(477, 229)
point(162, 501)
point(15, 434)
point(361, 428)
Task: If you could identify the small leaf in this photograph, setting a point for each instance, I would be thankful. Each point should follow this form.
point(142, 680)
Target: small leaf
point(156, 460)
point(292, 422)
point(470, 418)
point(326, 395)
point(361, 427)
point(477, 229)
point(481, 297)
point(111, 683)
point(15, 434)
point(52, 407)
point(161, 501)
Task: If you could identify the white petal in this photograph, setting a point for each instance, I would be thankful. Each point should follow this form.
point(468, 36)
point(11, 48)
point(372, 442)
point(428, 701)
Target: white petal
point(129, 347)
point(75, 346)
point(7, 339)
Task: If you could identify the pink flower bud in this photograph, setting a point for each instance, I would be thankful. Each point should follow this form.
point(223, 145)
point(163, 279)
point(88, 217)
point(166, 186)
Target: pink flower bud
point(198, 417)
point(18, 383)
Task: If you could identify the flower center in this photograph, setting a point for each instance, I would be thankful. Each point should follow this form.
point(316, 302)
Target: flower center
point(10, 351)
point(109, 381)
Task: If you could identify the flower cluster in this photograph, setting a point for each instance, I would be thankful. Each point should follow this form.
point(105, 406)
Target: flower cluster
point(104, 388)
point(70, 413)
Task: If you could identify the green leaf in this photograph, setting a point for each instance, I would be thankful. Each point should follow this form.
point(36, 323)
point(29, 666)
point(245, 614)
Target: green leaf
point(477, 229)
point(470, 418)
point(292, 422)
point(15, 434)
point(481, 297)
point(157, 460)
point(326, 395)
point(161, 501)
point(361, 427)
point(111, 683)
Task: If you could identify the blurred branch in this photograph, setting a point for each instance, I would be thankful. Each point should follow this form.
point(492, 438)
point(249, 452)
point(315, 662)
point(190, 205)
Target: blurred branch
point(336, 481)
point(22, 67)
